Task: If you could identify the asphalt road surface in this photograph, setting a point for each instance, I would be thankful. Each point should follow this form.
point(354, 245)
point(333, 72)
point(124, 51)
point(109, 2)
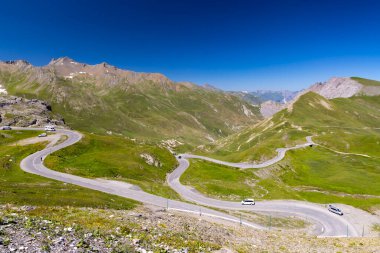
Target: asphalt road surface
point(327, 224)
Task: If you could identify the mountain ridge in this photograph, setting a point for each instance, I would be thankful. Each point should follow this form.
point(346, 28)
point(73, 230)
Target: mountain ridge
point(335, 87)
point(105, 99)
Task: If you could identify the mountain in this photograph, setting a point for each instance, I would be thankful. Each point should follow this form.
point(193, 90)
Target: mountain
point(355, 120)
point(268, 108)
point(336, 87)
point(260, 96)
point(105, 99)
point(268, 101)
point(344, 87)
point(282, 96)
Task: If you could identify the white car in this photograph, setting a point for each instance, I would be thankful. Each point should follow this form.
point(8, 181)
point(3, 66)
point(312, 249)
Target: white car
point(42, 135)
point(250, 202)
point(335, 210)
point(49, 128)
point(6, 128)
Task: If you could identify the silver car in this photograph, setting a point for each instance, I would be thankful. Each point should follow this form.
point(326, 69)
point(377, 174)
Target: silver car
point(335, 210)
point(248, 202)
point(6, 128)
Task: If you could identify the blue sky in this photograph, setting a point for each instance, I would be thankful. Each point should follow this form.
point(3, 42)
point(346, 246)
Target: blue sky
point(234, 45)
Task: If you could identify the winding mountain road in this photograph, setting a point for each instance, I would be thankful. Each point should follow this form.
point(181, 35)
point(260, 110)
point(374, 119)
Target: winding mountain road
point(327, 224)
point(34, 164)
point(243, 165)
point(330, 224)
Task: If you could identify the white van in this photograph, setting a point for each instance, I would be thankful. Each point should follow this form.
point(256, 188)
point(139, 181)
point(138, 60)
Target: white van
point(49, 128)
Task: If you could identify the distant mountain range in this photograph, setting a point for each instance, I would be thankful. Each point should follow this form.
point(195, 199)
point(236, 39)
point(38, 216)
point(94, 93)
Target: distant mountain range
point(271, 102)
point(104, 99)
point(261, 96)
point(344, 107)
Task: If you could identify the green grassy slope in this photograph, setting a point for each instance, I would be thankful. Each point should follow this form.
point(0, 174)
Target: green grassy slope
point(318, 174)
point(345, 124)
point(313, 174)
point(10, 137)
point(21, 188)
point(116, 158)
point(366, 82)
point(146, 110)
point(220, 181)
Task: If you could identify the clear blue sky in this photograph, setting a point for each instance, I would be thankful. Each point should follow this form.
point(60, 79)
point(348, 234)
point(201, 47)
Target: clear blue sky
point(234, 45)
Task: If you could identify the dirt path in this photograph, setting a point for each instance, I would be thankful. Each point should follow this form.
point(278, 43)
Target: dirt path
point(52, 139)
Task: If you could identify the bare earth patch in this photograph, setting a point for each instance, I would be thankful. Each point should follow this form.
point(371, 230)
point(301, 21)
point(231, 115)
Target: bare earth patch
point(52, 139)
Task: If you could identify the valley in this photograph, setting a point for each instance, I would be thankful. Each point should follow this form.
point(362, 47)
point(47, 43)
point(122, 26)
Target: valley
point(351, 119)
point(190, 126)
point(315, 151)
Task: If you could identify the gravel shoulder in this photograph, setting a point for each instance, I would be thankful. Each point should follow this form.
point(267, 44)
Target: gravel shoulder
point(150, 229)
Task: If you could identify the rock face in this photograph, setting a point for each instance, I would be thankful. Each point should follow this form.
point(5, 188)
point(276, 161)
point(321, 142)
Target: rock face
point(269, 108)
point(16, 111)
point(150, 159)
point(337, 87)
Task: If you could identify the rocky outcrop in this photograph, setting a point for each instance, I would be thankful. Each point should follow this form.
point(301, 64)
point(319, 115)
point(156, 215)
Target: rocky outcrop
point(17, 111)
point(151, 160)
point(344, 87)
point(3, 90)
point(337, 87)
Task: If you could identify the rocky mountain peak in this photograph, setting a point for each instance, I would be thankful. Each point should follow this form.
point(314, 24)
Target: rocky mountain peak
point(337, 87)
point(17, 62)
point(62, 61)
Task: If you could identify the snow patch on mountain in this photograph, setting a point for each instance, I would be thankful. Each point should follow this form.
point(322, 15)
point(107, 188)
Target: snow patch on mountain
point(3, 90)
